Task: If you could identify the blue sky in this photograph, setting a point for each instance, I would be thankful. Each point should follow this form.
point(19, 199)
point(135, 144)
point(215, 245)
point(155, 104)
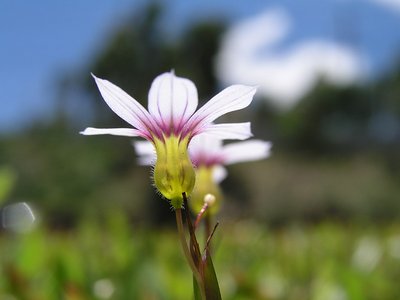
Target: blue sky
point(40, 39)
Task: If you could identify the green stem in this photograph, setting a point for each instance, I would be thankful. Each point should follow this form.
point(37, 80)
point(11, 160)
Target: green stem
point(181, 233)
point(207, 228)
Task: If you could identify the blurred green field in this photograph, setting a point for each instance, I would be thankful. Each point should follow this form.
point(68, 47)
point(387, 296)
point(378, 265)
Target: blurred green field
point(115, 260)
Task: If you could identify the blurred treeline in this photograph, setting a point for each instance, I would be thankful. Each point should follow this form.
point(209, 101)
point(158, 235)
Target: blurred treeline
point(336, 154)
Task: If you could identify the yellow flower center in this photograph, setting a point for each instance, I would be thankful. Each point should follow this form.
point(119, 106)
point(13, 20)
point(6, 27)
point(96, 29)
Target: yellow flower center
point(205, 184)
point(173, 171)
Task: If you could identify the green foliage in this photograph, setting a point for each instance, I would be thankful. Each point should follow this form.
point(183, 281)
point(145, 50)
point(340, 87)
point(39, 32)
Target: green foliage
point(290, 187)
point(68, 176)
point(114, 260)
point(328, 118)
point(7, 181)
point(210, 279)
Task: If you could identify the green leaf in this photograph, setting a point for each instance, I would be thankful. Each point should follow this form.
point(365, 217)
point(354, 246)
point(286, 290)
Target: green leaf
point(194, 245)
point(7, 181)
point(196, 290)
point(210, 279)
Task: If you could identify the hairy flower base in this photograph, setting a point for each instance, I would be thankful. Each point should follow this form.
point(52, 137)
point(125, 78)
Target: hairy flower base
point(173, 171)
point(205, 184)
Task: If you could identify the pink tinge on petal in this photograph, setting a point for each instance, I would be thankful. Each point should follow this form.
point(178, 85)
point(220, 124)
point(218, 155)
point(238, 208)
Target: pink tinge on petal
point(172, 100)
point(205, 150)
point(202, 159)
point(230, 99)
point(127, 108)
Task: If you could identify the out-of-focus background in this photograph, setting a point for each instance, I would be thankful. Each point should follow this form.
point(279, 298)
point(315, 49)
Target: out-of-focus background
point(319, 219)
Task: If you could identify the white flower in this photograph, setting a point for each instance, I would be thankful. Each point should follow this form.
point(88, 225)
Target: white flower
point(171, 122)
point(172, 110)
point(207, 151)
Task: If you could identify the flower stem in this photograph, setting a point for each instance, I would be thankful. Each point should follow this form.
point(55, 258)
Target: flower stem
point(207, 226)
point(181, 233)
point(207, 247)
point(200, 215)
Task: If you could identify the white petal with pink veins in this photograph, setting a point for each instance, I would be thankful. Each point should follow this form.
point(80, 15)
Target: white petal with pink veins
point(172, 100)
point(230, 99)
point(125, 106)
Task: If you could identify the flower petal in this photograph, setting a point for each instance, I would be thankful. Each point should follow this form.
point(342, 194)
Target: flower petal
point(112, 131)
point(219, 173)
point(246, 151)
point(145, 151)
point(172, 100)
point(237, 131)
point(146, 160)
point(205, 144)
point(230, 99)
point(125, 106)
point(205, 149)
point(144, 148)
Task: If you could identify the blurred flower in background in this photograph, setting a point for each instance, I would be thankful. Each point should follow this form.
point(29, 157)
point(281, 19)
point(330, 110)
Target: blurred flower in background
point(16, 217)
point(209, 155)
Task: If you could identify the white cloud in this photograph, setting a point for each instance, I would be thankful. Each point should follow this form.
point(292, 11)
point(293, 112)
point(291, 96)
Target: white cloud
point(390, 4)
point(248, 56)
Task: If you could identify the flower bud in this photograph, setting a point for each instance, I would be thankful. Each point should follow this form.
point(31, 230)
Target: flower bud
point(173, 171)
point(209, 199)
point(206, 190)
